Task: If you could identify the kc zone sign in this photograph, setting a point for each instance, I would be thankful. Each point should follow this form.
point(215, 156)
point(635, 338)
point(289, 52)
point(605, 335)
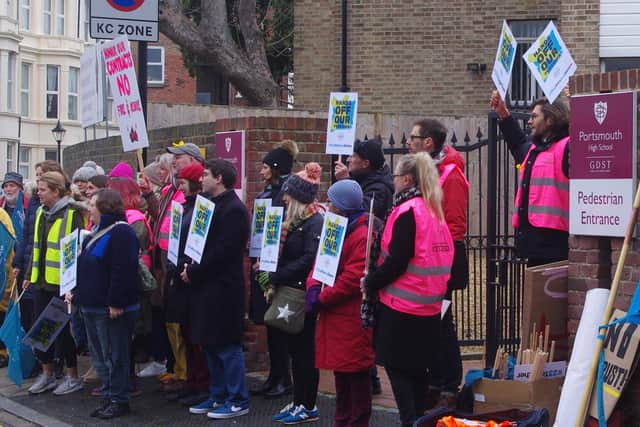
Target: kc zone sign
point(136, 19)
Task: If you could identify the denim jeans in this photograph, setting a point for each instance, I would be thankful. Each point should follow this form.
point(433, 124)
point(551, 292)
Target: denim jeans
point(227, 380)
point(78, 330)
point(110, 345)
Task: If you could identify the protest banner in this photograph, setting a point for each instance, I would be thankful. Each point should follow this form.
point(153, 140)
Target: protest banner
point(620, 361)
point(124, 90)
point(68, 262)
point(260, 207)
point(341, 126)
point(271, 241)
point(329, 249)
point(174, 232)
point(48, 326)
point(91, 79)
point(550, 62)
point(199, 228)
point(505, 58)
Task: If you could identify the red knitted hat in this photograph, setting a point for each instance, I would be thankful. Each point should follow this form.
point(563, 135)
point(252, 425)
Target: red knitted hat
point(192, 172)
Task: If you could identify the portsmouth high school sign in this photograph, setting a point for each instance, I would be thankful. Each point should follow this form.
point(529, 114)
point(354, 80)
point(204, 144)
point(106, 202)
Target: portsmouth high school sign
point(603, 163)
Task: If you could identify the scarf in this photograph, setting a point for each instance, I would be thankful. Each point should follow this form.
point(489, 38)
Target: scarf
point(406, 194)
point(309, 211)
point(438, 157)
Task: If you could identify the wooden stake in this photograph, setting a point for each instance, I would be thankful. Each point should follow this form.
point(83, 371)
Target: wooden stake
point(553, 350)
point(546, 338)
point(586, 395)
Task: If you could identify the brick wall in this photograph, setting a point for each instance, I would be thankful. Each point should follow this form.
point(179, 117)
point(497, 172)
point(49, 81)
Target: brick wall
point(179, 86)
point(412, 55)
point(593, 260)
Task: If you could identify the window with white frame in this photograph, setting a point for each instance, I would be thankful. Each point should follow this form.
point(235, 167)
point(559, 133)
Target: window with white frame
point(155, 65)
point(72, 93)
point(11, 81)
point(25, 83)
point(50, 154)
point(11, 156)
point(524, 88)
point(60, 17)
point(24, 160)
point(87, 27)
point(25, 14)
point(46, 16)
point(52, 91)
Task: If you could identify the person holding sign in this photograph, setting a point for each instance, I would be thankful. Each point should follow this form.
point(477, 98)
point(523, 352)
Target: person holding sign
point(411, 281)
point(299, 241)
point(342, 345)
point(216, 295)
point(542, 201)
point(55, 219)
point(108, 292)
point(367, 166)
point(276, 167)
point(429, 135)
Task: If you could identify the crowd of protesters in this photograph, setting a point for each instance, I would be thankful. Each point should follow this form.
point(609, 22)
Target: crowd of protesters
point(185, 320)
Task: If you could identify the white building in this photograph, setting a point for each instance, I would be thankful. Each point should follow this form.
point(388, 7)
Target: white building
point(41, 42)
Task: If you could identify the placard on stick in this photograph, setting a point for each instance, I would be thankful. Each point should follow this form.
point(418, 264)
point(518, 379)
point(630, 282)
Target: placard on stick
point(505, 58)
point(341, 126)
point(260, 207)
point(271, 241)
point(330, 248)
point(199, 228)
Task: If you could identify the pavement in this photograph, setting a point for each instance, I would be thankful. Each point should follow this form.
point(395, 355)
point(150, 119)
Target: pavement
point(20, 409)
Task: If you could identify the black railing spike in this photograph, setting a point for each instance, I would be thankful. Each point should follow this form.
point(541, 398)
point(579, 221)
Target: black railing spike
point(466, 140)
point(454, 139)
point(479, 134)
point(392, 140)
point(366, 137)
point(379, 137)
point(403, 141)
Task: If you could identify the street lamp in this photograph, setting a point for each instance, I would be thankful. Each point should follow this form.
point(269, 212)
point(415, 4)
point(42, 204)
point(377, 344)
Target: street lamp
point(58, 134)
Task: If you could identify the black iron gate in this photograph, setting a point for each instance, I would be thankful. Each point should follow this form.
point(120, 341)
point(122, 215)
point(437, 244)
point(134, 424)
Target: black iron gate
point(488, 312)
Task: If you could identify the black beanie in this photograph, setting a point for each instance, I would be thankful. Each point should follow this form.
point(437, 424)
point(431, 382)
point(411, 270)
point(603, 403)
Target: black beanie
point(280, 160)
point(370, 149)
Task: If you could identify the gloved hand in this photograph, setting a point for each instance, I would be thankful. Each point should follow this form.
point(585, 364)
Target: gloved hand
point(312, 299)
point(263, 280)
point(269, 293)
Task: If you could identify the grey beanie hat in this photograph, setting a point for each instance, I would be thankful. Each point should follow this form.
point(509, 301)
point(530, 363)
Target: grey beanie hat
point(84, 173)
point(346, 195)
point(14, 177)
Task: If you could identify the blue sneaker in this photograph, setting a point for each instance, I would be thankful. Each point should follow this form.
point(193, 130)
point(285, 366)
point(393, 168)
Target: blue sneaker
point(301, 415)
point(284, 412)
point(204, 407)
point(228, 411)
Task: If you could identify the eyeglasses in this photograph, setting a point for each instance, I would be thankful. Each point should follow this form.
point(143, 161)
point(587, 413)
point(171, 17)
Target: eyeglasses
point(414, 137)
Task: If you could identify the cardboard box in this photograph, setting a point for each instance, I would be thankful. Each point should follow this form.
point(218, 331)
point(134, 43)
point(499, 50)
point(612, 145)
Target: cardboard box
point(497, 395)
point(545, 301)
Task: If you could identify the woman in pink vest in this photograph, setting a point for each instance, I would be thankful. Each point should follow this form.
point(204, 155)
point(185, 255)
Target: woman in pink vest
point(411, 281)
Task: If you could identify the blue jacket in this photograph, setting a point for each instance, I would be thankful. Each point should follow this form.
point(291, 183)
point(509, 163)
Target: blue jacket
point(108, 268)
point(24, 248)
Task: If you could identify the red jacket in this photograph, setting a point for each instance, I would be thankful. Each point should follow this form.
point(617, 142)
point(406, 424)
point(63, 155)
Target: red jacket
point(342, 344)
point(455, 194)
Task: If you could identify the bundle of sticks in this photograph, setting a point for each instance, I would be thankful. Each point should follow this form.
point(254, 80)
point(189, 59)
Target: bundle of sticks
point(538, 342)
point(501, 364)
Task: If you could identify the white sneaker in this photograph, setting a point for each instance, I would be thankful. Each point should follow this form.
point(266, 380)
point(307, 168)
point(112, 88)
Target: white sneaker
point(43, 383)
point(68, 385)
point(153, 369)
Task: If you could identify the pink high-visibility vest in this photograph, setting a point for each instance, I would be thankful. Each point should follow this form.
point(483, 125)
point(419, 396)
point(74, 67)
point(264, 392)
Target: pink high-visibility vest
point(134, 215)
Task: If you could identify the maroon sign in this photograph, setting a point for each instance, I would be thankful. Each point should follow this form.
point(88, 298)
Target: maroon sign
point(602, 136)
point(230, 147)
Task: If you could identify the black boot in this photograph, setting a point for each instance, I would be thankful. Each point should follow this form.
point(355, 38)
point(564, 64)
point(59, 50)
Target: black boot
point(101, 408)
point(113, 410)
point(264, 387)
point(279, 389)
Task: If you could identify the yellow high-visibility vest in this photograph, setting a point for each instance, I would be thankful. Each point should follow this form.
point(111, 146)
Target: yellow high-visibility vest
point(52, 252)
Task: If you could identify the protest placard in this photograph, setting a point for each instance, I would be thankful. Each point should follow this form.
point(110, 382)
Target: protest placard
point(271, 241)
point(550, 62)
point(505, 58)
point(124, 90)
point(341, 126)
point(48, 326)
point(174, 232)
point(68, 262)
point(199, 228)
point(260, 207)
point(330, 248)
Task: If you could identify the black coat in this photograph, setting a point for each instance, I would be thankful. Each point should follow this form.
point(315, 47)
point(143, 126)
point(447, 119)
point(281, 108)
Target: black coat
point(257, 302)
point(298, 254)
point(380, 183)
point(216, 300)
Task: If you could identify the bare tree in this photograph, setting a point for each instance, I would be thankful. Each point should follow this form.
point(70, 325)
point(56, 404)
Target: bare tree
point(235, 49)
